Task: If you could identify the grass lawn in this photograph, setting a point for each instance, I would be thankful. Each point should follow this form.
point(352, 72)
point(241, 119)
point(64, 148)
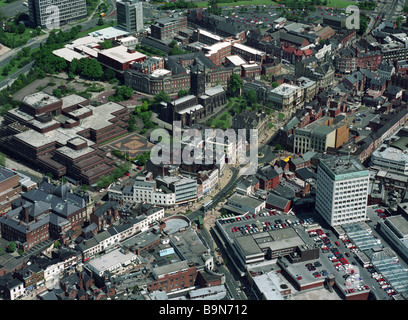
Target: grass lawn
point(96, 28)
point(281, 116)
point(222, 122)
point(12, 70)
point(4, 3)
point(20, 39)
point(339, 3)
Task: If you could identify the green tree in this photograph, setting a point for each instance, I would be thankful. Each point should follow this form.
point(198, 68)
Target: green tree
point(11, 247)
point(124, 92)
point(251, 97)
point(57, 93)
point(26, 51)
point(2, 160)
point(182, 93)
point(6, 70)
point(145, 106)
point(234, 84)
point(21, 28)
point(176, 51)
point(89, 69)
point(109, 74)
point(275, 84)
point(100, 21)
point(161, 97)
point(107, 44)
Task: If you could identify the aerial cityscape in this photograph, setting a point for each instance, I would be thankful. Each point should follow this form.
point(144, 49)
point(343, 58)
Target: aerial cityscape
point(216, 150)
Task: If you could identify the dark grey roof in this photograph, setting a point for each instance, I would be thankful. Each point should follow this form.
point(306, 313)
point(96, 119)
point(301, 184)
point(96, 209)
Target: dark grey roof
point(6, 174)
point(284, 192)
point(173, 62)
point(267, 172)
point(106, 207)
point(154, 44)
point(391, 89)
point(355, 77)
point(378, 81)
point(277, 201)
point(305, 173)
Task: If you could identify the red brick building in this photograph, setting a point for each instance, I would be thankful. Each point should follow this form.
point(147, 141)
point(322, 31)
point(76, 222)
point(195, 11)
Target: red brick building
point(10, 188)
point(274, 201)
point(65, 145)
point(42, 214)
point(268, 178)
point(174, 276)
point(120, 57)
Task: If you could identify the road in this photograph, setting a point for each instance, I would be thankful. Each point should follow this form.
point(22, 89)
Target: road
point(220, 195)
point(10, 79)
point(36, 42)
point(387, 11)
point(14, 8)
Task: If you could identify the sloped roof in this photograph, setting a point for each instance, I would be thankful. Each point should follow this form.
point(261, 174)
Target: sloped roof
point(277, 201)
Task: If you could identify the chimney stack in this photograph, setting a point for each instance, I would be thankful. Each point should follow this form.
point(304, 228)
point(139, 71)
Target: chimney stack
point(26, 216)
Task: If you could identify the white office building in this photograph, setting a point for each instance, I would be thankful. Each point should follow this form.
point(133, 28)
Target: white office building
point(392, 155)
point(130, 15)
point(342, 190)
point(51, 14)
point(143, 191)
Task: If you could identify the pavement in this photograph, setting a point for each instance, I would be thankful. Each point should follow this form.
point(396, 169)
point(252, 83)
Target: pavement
point(196, 207)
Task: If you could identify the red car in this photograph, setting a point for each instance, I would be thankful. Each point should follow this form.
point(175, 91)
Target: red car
point(337, 243)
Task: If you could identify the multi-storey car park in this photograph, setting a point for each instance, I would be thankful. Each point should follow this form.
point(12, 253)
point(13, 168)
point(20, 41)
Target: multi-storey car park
point(297, 248)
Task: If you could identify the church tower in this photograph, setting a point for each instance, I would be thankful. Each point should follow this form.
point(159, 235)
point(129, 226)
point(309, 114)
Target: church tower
point(197, 80)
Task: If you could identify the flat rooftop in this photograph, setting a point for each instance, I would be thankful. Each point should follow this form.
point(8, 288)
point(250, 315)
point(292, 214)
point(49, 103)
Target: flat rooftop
point(71, 100)
point(343, 167)
point(121, 54)
point(236, 60)
point(270, 285)
point(209, 34)
point(40, 99)
point(99, 119)
point(285, 89)
point(248, 49)
point(214, 48)
point(111, 259)
point(69, 54)
point(108, 33)
point(400, 223)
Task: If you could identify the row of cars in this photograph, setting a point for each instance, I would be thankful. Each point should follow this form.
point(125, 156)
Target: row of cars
point(312, 267)
point(381, 281)
point(253, 228)
point(248, 216)
point(381, 213)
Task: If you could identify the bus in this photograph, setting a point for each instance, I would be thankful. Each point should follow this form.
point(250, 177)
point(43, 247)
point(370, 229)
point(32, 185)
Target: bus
point(200, 222)
point(207, 205)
